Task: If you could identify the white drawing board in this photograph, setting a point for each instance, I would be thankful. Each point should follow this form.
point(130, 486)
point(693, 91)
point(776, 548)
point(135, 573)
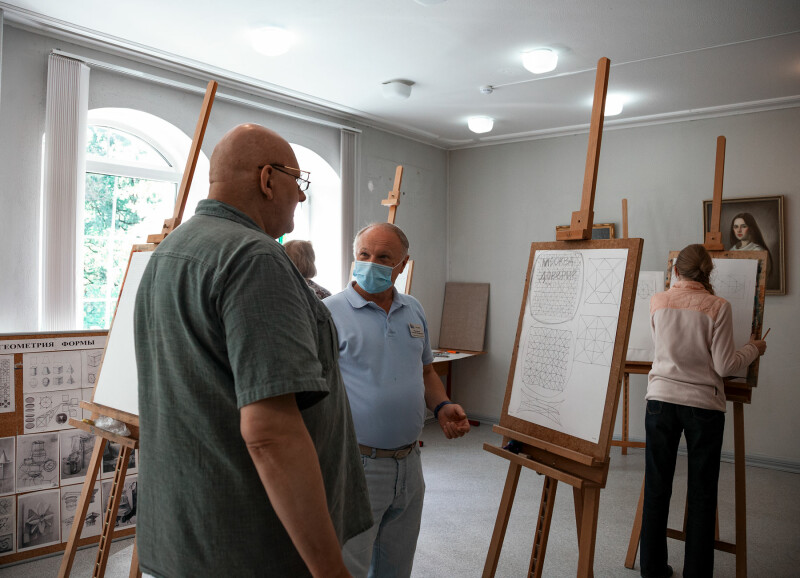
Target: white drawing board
point(640, 343)
point(117, 382)
point(735, 280)
point(567, 340)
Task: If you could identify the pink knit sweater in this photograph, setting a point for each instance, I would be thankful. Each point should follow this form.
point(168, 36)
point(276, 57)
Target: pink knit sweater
point(694, 348)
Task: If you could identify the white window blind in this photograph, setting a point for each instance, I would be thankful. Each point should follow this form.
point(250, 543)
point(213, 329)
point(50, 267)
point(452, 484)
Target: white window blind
point(62, 200)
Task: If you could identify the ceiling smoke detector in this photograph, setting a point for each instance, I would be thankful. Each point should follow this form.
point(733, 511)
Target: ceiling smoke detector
point(397, 89)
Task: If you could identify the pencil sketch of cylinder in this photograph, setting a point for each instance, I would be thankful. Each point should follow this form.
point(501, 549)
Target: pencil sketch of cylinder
point(556, 286)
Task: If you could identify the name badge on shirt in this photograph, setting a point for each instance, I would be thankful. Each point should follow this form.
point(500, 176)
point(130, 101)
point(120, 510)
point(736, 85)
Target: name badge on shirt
point(416, 330)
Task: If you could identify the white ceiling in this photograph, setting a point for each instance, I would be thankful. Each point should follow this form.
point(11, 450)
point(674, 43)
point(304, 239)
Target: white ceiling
point(671, 59)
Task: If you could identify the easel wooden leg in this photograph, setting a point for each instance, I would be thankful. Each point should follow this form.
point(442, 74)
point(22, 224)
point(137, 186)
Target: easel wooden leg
point(741, 494)
point(110, 515)
point(543, 526)
point(625, 397)
point(588, 530)
point(636, 532)
point(83, 507)
point(136, 572)
point(500, 525)
point(577, 496)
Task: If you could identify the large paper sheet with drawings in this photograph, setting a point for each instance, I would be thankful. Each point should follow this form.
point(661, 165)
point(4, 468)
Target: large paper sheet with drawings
point(735, 281)
point(117, 382)
point(640, 342)
point(567, 340)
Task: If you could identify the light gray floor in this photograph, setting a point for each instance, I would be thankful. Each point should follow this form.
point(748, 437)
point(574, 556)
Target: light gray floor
point(464, 485)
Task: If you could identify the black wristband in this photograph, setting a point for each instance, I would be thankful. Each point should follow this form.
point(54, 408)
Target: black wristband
point(440, 406)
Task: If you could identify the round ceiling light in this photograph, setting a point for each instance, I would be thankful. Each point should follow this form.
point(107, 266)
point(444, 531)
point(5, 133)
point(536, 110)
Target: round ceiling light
point(480, 124)
point(614, 104)
point(397, 89)
point(540, 60)
point(271, 40)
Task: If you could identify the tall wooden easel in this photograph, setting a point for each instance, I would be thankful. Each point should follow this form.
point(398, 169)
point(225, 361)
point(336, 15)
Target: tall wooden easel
point(559, 456)
point(393, 200)
point(130, 442)
point(736, 391)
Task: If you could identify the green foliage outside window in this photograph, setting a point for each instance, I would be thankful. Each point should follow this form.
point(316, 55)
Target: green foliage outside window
point(119, 211)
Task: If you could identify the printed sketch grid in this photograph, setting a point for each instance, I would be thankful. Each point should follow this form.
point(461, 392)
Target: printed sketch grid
point(567, 342)
point(6, 383)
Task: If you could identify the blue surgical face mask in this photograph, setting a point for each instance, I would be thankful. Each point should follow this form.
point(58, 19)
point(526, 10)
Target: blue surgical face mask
point(373, 277)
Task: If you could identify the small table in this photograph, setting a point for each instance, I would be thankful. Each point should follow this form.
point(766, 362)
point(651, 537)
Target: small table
point(442, 364)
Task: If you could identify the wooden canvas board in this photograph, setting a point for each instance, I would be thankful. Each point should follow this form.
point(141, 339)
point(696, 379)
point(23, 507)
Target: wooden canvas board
point(740, 278)
point(599, 230)
point(464, 316)
point(640, 343)
point(117, 384)
point(572, 336)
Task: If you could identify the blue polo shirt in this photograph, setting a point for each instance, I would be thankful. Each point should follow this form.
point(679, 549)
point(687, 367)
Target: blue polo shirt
point(381, 362)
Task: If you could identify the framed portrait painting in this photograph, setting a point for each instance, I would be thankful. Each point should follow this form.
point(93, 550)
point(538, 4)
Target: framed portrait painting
point(754, 224)
point(599, 230)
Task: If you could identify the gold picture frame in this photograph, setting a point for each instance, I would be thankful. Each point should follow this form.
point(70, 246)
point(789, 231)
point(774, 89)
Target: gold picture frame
point(599, 230)
point(767, 214)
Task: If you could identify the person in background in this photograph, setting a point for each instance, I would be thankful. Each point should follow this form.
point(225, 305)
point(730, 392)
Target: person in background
point(386, 362)
point(249, 462)
point(694, 349)
point(302, 255)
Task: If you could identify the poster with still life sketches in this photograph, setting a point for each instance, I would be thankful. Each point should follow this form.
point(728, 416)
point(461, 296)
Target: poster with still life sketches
point(76, 453)
point(93, 523)
point(126, 515)
point(37, 462)
point(735, 281)
point(38, 519)
point(110, 455)
point(567, 340)
point(7, 391)
point(8, 511)
point(51, 410)
point(59, 370)
point(8, 472)
point(640, 342)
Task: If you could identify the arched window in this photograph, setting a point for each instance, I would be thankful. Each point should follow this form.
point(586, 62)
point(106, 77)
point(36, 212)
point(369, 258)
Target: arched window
point(134, 165)
point(319, 219)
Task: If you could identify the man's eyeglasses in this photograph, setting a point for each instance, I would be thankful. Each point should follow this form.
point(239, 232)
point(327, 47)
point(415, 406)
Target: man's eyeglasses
point(303, 180)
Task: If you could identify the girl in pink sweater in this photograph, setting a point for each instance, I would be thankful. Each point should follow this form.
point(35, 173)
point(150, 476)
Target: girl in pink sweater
point(694, 349)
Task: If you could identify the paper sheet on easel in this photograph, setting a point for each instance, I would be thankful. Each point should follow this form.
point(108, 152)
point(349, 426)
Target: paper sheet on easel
point(118, 383)
point(640, 342)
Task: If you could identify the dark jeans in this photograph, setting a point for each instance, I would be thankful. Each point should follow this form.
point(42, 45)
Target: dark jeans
point(703, 428)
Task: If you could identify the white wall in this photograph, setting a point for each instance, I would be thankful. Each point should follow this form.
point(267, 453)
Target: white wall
point(422, 212)
point(504, 197)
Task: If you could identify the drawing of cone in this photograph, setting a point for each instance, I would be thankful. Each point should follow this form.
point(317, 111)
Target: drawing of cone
point(5, 464)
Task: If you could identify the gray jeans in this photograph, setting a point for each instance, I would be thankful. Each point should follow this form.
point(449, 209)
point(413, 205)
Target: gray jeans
point(396, 492)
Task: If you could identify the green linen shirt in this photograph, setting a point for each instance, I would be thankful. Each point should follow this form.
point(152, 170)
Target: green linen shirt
point(223, 319)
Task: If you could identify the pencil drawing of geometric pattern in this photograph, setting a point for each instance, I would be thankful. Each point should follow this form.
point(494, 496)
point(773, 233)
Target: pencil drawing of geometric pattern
point(546, 366)
point(556, 286)
point(727, 286)
point(6, 379)
point(595, 342)
point(548, 409)
point(645, 290)
point(604, 281)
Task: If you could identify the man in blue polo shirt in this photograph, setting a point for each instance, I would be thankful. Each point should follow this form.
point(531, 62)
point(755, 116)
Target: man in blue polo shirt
point(386, 363)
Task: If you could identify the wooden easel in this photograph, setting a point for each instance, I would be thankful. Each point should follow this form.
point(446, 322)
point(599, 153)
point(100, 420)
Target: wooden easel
point(131, 442)
point(577, 462)
point(393, 200)
point(737, 392)
point(630, 367)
